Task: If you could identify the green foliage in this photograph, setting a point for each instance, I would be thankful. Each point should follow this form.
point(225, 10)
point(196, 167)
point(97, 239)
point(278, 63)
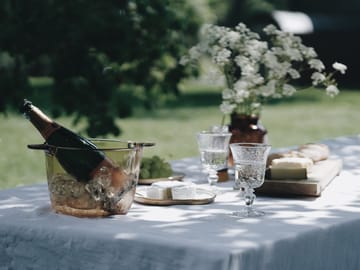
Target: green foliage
point(93, 50)
point(13, 80)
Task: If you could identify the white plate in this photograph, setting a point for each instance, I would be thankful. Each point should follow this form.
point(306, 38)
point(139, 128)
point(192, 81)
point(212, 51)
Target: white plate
point(202, 197)
point(149, 181)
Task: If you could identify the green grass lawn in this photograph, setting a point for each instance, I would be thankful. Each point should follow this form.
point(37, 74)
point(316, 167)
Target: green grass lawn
point(309, 117)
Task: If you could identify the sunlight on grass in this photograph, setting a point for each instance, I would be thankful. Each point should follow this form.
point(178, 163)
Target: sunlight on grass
point(18, 165)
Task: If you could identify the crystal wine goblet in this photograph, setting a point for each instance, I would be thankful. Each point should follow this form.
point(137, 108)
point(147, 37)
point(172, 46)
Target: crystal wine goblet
point(214, 149)
point(250, 165)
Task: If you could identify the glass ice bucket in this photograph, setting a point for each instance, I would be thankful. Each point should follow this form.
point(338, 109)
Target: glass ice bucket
point(99, 196)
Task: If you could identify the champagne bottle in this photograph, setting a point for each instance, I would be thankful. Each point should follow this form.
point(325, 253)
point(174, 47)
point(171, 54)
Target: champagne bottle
point(83, 161)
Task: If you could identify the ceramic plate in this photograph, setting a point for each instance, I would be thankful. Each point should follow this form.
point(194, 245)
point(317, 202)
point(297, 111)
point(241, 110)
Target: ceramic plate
point(202, 197)
point(149, 181)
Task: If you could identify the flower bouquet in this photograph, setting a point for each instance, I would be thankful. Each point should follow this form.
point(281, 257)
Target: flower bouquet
point(257, 69)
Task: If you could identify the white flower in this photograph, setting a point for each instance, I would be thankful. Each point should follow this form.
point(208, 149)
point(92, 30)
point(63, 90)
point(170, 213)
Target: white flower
point(294, 74)
point(230, 39)
point(256, 49)
point(316, 64)
point(288, 90)
point(240, 96)
point(255, 70)
point(317, 78)
point(268, 90)
point(332, 90)
point(294, 54)
point(340, 67)
point(242, 61)
point(240, 85)
point(254, 80)
point(270, 29)
point(241, 28)
point(280, 70)
point(227, 108)
point(308, 52)
point(222, 56)
point(227, 93)
point(249, 69)
point(194, 53)
point(270, 59)
point(184, 60)
point(214, 76)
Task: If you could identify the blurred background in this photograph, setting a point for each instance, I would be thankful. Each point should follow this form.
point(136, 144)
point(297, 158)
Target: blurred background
point(110, 69)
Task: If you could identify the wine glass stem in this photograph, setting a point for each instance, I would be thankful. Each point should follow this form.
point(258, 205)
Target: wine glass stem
point(249, 199)
point(213, 177)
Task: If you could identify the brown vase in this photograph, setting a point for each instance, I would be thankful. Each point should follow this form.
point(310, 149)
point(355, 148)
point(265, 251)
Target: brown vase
point(246, 128)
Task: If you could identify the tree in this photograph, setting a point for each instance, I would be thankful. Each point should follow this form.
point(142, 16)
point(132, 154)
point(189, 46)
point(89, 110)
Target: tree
point(96, 51)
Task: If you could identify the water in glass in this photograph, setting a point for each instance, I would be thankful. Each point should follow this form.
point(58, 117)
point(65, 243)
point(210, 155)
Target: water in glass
point(250, 166)
point(214, 149)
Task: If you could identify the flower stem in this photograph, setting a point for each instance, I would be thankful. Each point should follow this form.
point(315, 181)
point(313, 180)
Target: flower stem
point(223, 120)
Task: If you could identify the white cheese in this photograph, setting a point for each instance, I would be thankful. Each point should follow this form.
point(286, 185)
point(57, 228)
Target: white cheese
point(156, 193)
point(186, 192)
point(162, 190)
point(291, 163)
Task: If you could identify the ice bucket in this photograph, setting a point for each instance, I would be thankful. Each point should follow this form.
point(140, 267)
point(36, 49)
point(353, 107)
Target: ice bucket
point(98, 196)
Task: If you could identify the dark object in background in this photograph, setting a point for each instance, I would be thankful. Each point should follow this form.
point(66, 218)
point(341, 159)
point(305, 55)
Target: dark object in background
point(333, 36)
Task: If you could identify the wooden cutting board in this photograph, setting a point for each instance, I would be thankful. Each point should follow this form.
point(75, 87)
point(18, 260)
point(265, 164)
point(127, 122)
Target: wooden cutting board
point(319, 178)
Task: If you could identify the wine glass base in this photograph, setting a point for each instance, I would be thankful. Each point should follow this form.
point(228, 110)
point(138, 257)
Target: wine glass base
point(248, 213)
point(212, 183)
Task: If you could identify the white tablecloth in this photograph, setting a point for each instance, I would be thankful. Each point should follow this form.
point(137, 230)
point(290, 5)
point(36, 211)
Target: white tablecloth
point(297, 232)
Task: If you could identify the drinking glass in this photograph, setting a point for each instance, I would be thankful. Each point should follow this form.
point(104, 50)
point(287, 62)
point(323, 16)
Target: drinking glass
point(219, 129)
point(214, 150)
point(250, 165)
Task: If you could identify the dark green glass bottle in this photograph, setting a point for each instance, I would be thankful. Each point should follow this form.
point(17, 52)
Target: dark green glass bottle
point(77, 155)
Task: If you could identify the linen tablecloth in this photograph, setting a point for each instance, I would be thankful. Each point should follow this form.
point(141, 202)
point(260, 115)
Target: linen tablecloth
point(296, 233)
